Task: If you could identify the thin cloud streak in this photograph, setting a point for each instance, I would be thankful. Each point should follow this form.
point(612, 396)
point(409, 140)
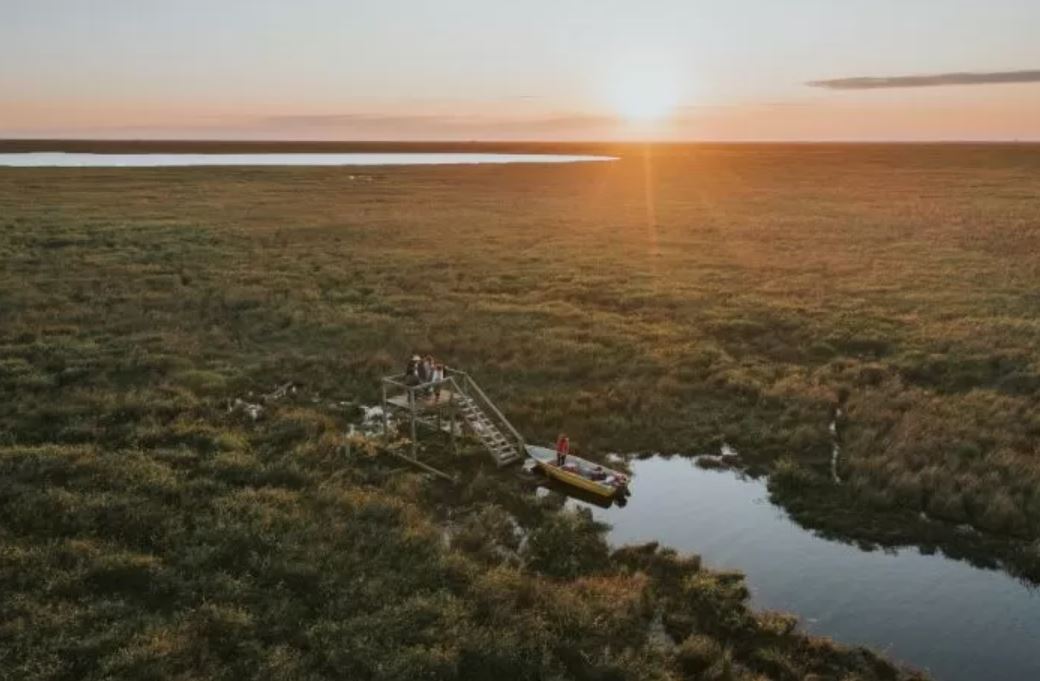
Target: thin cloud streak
point(933, 80)
point(436, 123)
point(347, 126)
point(775, 120)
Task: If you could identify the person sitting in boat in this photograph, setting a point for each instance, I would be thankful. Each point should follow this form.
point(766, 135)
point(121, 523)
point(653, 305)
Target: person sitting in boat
point(563, 448)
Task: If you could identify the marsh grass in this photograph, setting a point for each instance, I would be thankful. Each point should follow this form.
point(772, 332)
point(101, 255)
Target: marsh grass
point(734, 294)
point(276, 556)
point(771, 281)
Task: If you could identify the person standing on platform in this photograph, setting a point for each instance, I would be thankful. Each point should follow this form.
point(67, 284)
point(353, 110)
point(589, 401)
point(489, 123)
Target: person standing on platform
point(411, 373)
point(426, 373)
point(438, 378)
point(426, 369)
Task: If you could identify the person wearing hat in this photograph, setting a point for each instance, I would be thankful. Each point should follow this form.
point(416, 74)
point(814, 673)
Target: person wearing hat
point(411, 373)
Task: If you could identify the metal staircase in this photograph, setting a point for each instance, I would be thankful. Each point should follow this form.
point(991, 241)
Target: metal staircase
point(501, 449)
point(491, 427)
point(425, 405)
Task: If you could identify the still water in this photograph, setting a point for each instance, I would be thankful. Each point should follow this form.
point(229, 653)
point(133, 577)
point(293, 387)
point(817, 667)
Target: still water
point(75, 160)
point(958, 622)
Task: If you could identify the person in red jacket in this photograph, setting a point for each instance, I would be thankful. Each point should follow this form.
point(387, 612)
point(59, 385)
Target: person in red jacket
point(563, 448)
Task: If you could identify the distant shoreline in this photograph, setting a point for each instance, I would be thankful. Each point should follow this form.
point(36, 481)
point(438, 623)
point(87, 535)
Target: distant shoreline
point(102, 146)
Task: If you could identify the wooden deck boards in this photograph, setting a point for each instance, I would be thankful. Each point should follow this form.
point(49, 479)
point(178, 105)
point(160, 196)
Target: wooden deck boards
point(401, 401)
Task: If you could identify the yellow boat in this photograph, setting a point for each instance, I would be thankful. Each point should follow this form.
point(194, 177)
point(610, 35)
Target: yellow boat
point(578, 472)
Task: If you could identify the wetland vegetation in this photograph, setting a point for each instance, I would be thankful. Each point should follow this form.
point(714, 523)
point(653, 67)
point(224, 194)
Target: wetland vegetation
point(677, 299)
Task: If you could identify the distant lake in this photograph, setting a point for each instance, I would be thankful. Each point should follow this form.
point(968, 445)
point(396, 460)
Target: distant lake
point(78, 160)
point(959, 622)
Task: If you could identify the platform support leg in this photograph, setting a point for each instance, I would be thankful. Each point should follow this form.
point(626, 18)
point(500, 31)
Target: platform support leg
point(386, 419)
point(451, 416)
point(411, 400)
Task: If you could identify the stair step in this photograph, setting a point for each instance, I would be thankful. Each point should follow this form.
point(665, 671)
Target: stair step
point(490, 434)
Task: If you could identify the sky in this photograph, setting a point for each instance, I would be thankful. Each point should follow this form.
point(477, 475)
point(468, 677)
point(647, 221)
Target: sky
point(533, 70)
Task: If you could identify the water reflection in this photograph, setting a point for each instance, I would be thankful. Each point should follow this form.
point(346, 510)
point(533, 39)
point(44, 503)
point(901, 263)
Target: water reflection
point(959, 622)
point(577, 495)
point(78, 160)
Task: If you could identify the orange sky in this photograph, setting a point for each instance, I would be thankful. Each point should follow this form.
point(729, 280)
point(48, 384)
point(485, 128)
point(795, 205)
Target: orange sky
point(560, 69)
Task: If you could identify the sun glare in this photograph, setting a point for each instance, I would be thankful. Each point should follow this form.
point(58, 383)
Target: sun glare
point(643, 96)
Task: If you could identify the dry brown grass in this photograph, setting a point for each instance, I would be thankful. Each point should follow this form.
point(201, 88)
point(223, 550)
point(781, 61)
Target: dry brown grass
point(678, 297)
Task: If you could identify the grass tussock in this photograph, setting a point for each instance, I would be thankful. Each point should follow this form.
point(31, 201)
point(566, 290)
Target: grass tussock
point(734, 294)
point(159, 564)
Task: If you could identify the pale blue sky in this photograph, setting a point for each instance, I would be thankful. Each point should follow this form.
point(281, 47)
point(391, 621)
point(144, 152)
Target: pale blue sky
point(480, 69)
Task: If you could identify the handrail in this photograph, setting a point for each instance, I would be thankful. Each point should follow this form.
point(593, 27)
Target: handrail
point(467, 387)
point(392, 380)
point(491, 405)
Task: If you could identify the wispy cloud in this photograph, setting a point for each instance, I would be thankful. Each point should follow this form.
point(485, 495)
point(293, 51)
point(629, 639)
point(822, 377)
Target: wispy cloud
point(372, 125)
point(932, 80)
point(362, 123)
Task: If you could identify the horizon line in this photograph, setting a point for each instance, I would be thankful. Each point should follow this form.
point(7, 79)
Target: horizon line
point(836, 140)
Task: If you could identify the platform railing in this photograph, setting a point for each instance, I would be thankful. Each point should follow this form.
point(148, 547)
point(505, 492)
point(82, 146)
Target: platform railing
point(470, 388)
point(459, 382)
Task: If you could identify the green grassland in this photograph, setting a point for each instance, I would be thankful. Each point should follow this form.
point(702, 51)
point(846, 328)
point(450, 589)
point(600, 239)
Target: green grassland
point(676, 299)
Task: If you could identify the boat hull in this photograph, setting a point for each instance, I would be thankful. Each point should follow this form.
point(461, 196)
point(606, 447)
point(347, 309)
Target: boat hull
point(545, 459)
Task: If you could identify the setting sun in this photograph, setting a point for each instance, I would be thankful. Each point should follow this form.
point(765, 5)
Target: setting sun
point(643, 95)
point(471, 340)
